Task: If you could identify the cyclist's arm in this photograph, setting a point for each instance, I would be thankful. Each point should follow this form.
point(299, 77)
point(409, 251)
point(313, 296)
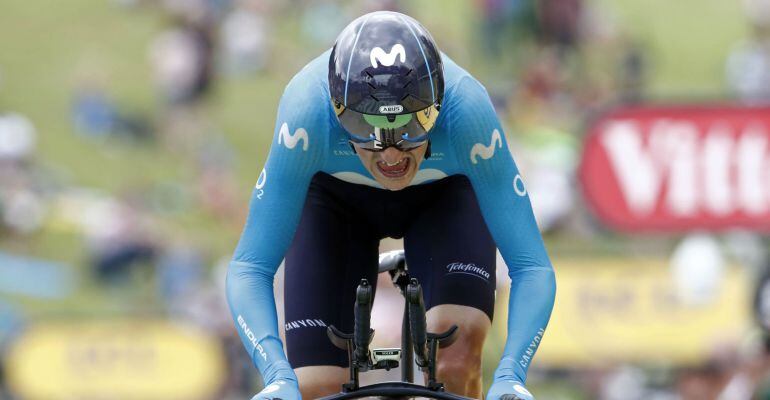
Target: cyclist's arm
point(276, 204)
point(482, 154)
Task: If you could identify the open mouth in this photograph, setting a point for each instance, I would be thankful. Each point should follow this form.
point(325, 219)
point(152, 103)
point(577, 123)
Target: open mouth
point(396, 170)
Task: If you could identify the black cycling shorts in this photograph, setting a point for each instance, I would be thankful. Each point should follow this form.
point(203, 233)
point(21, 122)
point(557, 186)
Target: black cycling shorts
point(447, 244)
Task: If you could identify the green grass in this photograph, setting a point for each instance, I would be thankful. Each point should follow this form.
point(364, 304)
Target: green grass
point(688, 41)
point(46, 48)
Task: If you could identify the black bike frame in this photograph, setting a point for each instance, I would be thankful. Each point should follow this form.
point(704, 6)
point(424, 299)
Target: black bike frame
point(414, 307)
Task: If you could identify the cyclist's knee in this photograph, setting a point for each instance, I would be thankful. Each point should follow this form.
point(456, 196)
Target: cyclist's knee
point(473, 326)
point(460, 362)
point(459, 366)
point(319, 381)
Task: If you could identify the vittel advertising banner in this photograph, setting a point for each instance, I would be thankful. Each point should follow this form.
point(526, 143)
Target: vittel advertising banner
point(679, 168)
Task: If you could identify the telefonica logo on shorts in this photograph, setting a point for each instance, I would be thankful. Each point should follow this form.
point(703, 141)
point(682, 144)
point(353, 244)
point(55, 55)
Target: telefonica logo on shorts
point(467, 269)
point(305, 323)
point(253, 339)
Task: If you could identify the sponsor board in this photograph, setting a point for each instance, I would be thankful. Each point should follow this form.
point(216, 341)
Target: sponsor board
point(679, 168)
point(114, 360)
point(629, 310)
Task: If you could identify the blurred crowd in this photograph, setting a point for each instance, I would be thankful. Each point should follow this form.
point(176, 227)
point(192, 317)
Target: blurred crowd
point(544, 73)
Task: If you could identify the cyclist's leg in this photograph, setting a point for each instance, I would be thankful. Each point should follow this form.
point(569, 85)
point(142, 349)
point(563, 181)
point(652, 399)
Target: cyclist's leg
point(329, 256)
point(321, 380)
point(459, 365)
point(449, 249)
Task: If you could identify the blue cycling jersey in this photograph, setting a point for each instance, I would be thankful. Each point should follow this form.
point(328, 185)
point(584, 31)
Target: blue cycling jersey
point(467, 139)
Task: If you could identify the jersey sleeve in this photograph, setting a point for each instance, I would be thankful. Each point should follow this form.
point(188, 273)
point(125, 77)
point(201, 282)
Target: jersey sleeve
point(297, 153)
point(482, 155)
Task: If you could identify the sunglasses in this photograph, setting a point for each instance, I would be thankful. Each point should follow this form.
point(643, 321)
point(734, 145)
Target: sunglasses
point(376, 133)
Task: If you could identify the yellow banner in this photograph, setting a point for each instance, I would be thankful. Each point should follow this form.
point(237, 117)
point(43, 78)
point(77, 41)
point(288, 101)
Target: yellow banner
point(114, 360)
point(628, 310)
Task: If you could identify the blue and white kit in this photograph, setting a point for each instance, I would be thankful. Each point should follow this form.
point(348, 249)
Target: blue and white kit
point(467, 141)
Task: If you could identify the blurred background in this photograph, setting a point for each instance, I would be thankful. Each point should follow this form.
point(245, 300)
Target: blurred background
point(132, 133)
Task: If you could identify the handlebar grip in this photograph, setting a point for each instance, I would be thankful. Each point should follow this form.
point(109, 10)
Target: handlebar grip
point(417, 322)
point(362, 313)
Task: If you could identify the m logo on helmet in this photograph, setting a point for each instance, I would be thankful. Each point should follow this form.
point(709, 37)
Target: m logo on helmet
point(387, 59)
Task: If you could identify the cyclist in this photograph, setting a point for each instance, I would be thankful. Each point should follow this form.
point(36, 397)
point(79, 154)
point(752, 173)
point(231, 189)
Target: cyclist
point(384, 136)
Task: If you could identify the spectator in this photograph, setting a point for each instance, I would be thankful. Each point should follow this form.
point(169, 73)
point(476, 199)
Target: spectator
point(92, 112)
point(181, 57)
point(506, 28)
point(118, 238)
point(748, 69)
point(758, 12)
point(244, 38)
point(624, 383)
point(748, 64)
point(17, 138)
point(561, 23)
point(23, 210)
point(700, 382)
point(182, 60)
point(632, 72)
point(697, 266)
point(22, 207)
point(96, 115)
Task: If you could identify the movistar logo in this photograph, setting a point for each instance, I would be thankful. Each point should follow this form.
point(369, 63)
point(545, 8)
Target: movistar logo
point(486, 152)
point(394, 109)
point(387, 59)
point(290, 141)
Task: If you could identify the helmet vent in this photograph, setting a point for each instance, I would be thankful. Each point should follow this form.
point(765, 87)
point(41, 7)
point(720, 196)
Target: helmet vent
point(407, 84)
point(369, 77)
point(372, 96)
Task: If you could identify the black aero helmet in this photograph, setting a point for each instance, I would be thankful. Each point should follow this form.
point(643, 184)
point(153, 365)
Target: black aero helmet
point(386, 81)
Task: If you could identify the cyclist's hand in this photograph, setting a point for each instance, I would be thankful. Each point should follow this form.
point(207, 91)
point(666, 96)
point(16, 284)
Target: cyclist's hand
point(279, 390)
point(509, 390)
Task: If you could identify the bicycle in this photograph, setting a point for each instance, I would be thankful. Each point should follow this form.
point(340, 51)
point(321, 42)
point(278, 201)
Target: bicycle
point(417, 345)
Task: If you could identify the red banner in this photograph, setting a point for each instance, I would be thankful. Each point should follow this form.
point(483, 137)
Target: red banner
point(679, 168)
